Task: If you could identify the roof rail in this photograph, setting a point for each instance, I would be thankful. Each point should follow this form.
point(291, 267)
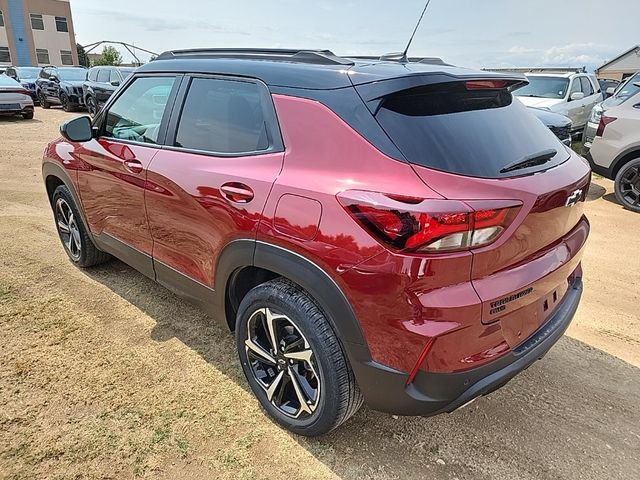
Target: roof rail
point(322, 57)
point(539, 69)
point(395, 58)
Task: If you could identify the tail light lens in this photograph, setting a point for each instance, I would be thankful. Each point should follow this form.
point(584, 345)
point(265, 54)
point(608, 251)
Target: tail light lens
point(411, 224)
point(20, 91)
point(604, 121)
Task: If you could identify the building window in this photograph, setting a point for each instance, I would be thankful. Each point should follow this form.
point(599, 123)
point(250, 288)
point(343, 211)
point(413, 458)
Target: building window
point(5, 56)
point(67, 58)
point(36, 22)
point(61, 24)
point(1, 19)
point(42, 55)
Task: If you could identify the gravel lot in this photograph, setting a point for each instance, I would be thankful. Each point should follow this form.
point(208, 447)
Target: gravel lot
point(104, 374)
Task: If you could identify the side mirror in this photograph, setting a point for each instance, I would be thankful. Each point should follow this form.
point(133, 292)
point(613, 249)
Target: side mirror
point(77, 130)
point(611, 90)
point(115, 83)
point(14, 76)
point(576, 96)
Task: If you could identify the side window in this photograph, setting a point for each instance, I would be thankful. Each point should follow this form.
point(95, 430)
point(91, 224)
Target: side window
point(575, 86)
point(93, 74)
point(587, 88)
point(114, 76)
point(103, 75)
point(137, 113)
point(224, 116)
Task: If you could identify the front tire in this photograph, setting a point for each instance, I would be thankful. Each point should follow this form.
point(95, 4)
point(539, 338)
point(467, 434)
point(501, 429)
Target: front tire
point(627, 186)
point(72, 231)
point(44, 103)
point(293, 361)
point(92, 107)
point(66, 104)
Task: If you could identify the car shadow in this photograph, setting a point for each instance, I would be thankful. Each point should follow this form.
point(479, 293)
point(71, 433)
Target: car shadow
point(17, 119)
point(595, 192)
point(572, 415)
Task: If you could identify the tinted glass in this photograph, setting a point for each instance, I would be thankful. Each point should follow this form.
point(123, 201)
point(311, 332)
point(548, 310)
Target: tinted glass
point(475, 133)
point(103, 75)
point(114, 76)
point(223, 116)
point(629, 89)
point(72, 74)
point(93, 74)
point(126, 72)
point(587, 88)
point(137, 113)
point(544, 87)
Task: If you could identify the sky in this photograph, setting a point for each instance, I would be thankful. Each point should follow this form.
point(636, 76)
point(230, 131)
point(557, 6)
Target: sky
point(469, 33)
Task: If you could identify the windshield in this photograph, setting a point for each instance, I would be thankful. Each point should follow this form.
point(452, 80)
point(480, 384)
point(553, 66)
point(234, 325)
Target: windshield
point(628, 89)
point(72, 74)
point(126, 72)
point(544, 87)
point(28, 72)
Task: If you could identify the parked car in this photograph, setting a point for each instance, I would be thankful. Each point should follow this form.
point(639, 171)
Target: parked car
point(399, 232)
point(14, 98)
point(624, 92)
point(61, 86)
point(615, 151)
point(101, 83)
point(26, 76)
point(559, 125)
point(608, 87)
point(570, 94)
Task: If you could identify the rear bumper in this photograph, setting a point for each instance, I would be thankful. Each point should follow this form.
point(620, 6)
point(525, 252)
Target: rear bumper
point(385, 389)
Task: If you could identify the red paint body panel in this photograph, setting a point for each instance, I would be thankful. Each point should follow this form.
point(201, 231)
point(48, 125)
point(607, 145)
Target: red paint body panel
point(191, 221)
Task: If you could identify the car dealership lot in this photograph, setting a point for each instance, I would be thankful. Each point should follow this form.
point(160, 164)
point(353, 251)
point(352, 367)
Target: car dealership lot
point(105, 374)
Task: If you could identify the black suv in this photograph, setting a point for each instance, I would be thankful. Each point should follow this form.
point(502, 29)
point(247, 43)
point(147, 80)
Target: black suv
point(61, 86)
point(25, 76)
point(101, 83)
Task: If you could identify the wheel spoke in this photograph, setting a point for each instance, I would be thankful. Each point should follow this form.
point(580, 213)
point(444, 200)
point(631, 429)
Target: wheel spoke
point(304, 406)
point(304, 355)
point(271, 319)
point(258, 351)
point(63, 227)
point(75, 233)
point(274, 385)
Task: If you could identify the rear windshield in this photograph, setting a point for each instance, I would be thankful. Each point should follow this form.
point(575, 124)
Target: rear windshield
point(478, 133)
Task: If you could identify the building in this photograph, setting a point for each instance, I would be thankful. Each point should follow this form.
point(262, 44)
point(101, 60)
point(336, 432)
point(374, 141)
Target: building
point(37, 32)
point(622, 66)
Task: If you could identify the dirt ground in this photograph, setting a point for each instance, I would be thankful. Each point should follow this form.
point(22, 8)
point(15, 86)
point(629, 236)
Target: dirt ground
point(104, 374)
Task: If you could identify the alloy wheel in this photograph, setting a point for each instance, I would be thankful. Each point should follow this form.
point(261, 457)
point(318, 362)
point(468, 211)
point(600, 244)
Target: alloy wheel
point(283, 363)
point(630, 186)
point(91, 106)
point(68, 229)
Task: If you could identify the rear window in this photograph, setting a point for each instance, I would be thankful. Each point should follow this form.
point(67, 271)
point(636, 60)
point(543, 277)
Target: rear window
point(478, 133)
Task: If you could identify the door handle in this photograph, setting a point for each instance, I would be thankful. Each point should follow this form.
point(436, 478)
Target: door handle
point(237, 192)
point(134, 166)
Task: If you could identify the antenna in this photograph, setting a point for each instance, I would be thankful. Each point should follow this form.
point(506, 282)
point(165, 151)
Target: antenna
point(404, 58)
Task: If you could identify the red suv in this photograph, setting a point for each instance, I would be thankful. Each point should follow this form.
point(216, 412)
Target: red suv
point(403, 233)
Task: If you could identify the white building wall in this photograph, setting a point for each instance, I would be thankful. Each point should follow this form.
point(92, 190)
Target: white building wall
point(51, 39)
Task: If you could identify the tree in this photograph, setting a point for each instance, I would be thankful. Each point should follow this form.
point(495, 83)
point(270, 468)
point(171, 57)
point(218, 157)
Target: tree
point(110, 56)
point(83, 58)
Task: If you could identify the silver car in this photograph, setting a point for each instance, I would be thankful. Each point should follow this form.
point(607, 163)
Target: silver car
point(625, 91)
point(14, 98)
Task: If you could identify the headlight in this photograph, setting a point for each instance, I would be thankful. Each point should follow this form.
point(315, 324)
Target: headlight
point(596, 113)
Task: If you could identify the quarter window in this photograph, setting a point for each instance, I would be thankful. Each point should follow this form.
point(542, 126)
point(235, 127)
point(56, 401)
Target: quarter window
point(66, 57)
point(42, 55)
point(36, 22)
point(5, 55)
point(114, 77)
point(223, 116)
point(103, 75)
point(61, 24)
point(137, 113)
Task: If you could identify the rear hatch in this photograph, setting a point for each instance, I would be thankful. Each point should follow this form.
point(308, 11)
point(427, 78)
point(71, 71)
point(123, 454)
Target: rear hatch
point(471, 140)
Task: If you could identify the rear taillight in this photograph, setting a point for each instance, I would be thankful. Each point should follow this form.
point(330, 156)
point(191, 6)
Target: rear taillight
point(20, 91)
point(418, 225)
point(604, 121)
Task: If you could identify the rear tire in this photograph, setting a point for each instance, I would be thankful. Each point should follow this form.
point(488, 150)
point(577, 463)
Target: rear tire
point(92, 107)
point(66, 105)
point(627, 186)
point(72, 231)
point(28, 115)
point(304, 382)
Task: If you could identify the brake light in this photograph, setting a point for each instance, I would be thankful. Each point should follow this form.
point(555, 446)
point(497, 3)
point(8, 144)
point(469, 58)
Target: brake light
point(20, 91)
point(424, 226)
point(604, 121)
point(486, 84)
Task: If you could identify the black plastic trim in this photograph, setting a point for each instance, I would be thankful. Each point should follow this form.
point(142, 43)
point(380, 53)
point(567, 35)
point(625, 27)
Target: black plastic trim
point(386, 390)
point(130, 255)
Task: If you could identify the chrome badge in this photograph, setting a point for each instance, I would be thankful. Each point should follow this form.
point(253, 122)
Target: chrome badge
point(573, 198)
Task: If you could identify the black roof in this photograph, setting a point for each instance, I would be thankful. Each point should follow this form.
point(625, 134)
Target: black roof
point(310, 69)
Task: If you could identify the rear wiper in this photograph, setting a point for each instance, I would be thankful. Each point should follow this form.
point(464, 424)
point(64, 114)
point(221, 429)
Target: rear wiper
point(531, 161)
